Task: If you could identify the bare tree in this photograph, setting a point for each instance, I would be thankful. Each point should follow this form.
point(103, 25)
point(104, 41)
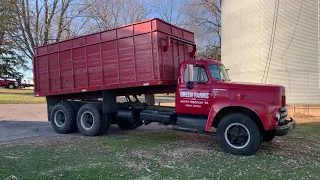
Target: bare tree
point(203, 17)
point(208, 23)
point(108, 14)
point(176, 12)
point(42, 21)
point(7, 23)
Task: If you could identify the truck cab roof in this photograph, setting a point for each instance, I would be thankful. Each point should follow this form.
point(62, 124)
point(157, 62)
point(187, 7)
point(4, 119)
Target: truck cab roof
point(202, 61)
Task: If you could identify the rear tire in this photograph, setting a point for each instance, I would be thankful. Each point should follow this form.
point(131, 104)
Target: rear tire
point(91, 121)
point(75, 106)
point(63, 118)
point(238, 134)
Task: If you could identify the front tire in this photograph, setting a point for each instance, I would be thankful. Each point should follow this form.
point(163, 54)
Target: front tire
point(238, 134)
point(11, 86)
point(91, 121)
point(63, 118)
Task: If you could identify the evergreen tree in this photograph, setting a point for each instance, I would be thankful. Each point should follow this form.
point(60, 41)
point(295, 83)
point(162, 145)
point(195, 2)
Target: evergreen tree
point(10, 60)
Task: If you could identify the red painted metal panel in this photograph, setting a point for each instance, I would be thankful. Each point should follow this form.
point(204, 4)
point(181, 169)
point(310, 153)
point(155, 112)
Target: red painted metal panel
point(126, 60)
point(110, 62)
point(78, 42)
point(142, 28)
point(92, 39)
point(177, 32)
point(109, 35)
point(54, 71)
point(65, 45)
point(43, 73)
point(94, 64)
point(41, 50)
point(144, 63)
point(188, 36)
point(139, 54)
point(66, 69)
point(79, 65)
point(125, 31)
point(53, 48)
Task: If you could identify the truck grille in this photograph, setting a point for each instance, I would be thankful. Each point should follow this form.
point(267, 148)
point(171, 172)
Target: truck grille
point(284, 114)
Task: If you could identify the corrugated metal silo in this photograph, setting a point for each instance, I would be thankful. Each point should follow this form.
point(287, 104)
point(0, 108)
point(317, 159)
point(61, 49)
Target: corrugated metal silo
point(274, 42)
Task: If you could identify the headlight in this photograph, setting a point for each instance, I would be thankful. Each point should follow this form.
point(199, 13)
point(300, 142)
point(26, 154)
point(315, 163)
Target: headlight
point(278, 116)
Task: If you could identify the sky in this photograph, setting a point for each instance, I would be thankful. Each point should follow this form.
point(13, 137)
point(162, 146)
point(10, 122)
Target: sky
point(29, 73)
point(153, 13)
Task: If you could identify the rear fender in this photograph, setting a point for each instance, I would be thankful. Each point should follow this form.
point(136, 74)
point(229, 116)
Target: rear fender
point(263, 111)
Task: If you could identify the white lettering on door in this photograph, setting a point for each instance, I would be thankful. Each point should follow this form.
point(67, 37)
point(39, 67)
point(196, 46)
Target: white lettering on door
point(194, 95)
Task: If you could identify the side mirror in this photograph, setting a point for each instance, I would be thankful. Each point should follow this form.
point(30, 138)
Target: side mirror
point(227, 70)
point(190, 84)
point(190, 72)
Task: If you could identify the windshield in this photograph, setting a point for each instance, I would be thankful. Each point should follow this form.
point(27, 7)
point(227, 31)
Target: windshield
point(218, 72)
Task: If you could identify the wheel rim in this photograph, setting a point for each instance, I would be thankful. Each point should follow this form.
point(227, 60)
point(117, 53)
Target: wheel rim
point(59, 118)
point(87, 120)
point(237, 135)
point(11, 86)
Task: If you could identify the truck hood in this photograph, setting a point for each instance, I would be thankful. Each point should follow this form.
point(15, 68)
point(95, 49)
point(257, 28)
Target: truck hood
point(265, 93)
point(254, 85)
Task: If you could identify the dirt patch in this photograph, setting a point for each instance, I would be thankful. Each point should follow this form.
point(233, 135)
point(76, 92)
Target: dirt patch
point(23, 112)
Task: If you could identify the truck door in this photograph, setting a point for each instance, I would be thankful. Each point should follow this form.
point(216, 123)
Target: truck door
point(192, 95)
point(2, 82)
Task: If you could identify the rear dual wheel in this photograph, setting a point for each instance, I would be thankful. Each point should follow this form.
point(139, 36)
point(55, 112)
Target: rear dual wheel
point(63, 117)
point(67, 117)
point(91, 121)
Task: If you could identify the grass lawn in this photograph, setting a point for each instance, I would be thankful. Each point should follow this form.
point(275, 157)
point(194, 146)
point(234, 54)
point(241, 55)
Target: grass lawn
point(144, 154)
point(19, 96)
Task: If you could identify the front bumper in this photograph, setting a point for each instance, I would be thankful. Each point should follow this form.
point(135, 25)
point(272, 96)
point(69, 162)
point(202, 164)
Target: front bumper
point(285, 127)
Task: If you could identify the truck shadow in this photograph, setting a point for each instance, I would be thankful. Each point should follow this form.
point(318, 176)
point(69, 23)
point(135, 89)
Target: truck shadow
point(303, 140)
point(13, 130)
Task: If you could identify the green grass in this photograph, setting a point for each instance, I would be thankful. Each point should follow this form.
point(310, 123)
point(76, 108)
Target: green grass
point(161, 155)
point(19, 96)
point(26, 96)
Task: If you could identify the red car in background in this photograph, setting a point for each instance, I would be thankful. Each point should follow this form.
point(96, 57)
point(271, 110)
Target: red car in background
point(8, 83)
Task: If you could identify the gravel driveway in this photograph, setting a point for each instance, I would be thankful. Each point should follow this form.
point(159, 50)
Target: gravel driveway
point(23, 112)
point(25, 121)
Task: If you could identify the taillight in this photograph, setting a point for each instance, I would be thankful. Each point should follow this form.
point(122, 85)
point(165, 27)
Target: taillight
point(283, 101)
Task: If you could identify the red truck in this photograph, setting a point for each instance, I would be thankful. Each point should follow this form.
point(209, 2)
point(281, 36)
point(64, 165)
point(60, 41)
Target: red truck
point(152, 57)
point(8, 83)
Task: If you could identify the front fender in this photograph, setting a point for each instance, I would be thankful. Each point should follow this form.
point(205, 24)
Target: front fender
point(264, 111)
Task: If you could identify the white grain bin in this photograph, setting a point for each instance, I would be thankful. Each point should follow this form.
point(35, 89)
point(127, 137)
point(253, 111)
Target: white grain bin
point(274, 42)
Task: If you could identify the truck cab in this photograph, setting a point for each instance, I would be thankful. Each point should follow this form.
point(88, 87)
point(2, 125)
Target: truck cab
point(8, 83)
point(234, 109)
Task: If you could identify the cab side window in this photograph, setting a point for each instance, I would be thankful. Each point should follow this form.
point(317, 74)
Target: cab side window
point(199, 75)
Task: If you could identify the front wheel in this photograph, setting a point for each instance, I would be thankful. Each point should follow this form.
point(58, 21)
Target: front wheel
point(238, 134)
point(11, 86)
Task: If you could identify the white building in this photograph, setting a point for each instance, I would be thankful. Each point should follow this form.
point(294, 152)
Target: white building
point(274, 42)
